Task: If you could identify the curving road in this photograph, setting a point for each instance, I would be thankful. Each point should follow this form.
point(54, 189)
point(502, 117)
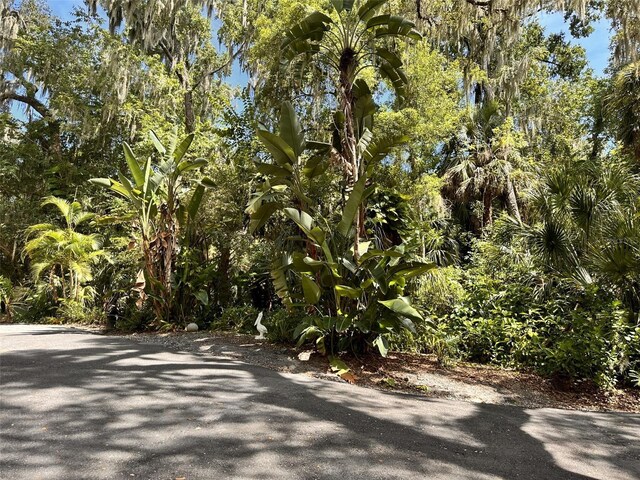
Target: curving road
point(75, 405)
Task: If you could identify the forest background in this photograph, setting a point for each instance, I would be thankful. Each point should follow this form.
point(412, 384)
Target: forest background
point(451, 177)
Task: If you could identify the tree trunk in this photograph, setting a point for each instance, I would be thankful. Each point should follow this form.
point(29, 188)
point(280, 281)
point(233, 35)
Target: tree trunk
point(349, 141)
point(512, 200)
point(169, 247)
point(189, 116)
point(224, 282)
point(487, 214)
point(63, 283)
point(55, 142)
point(55, 146)
point(52, 285)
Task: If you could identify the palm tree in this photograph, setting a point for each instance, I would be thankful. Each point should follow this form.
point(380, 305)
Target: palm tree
point(66, 254)
point(588, 228)
point(624, 103)
point(348, 43)
point(165, 200)
point(480, 164)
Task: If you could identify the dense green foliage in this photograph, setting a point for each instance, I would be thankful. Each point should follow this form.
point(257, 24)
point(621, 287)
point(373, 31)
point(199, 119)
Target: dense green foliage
point(443, 177)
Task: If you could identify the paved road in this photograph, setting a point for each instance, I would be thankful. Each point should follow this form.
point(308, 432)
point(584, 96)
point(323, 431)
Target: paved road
point(76, 405)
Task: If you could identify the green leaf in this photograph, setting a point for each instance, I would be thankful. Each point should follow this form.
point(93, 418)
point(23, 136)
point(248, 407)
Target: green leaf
point(290, 130)
point(408, 324)
point(338, 5)
point(207, 182)
point(300, 47)
point(363, 142)
point(282, 153)
point(349, 292)
point(380, 148)
point(311, 290)
point(378, 20)
point(310, 332)
point(369, 9)
point(125, 182)
point(363, 247)
point(389, 57)
point(351, 208)
point(300, 266)
point(395, 26)
point(183, 147)
point(134, 166)
point(343, 323)
point(303, 219)
point(196, 200)
point(412, 269)
point(318, 235)
point(401, 306)
point(103, 182)
point(280, 283)
point(274, 170)
point(365, 106)
point(262, 215)
point(311, 28)
point(396, 76)
point(348, 265)
point(312, 262)
point(202, 297)
point(342, 5)
point(322, 147)
point(147, 177)
point(188, 165)
point(382, 344)
point(118, 188)
point(337, 365)
point(157, 143)
point(315, 166)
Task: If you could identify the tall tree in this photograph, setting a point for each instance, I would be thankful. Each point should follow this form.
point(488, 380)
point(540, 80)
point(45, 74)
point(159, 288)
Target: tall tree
point(181, 36)
point(349, 45)
point(480, 164)
point(624, 106)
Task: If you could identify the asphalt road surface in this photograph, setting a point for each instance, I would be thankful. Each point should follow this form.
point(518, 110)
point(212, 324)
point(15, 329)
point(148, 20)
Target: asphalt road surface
point(75, 405)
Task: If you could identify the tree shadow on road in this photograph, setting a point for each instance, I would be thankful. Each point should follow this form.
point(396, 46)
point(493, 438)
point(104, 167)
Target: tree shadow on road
point(116, 408)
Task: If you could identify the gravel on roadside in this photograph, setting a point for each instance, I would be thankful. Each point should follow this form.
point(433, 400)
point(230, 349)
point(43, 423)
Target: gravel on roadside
point(402, 372)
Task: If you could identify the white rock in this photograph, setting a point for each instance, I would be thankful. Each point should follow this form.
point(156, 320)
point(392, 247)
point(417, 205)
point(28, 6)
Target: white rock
point(192, 327)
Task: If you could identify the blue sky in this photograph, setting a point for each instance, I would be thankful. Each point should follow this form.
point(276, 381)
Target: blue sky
point(596, 45)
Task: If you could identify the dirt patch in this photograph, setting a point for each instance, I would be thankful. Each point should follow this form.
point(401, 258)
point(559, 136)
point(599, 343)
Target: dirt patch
point(404, 372)
point(487, 384)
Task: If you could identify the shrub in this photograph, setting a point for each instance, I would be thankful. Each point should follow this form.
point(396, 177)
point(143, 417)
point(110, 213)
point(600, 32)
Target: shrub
point(134, 320)
point(71, 311)
point(438, 291)
point(281, 325)
point(593, 340)
point(239, 319)
point(33, 305)
point(436, 340)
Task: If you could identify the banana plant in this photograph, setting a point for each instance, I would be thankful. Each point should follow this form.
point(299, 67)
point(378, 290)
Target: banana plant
point(165, 201)
point(358, 299)
point(351, 41)
point(354, 38)
point(356, 293)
